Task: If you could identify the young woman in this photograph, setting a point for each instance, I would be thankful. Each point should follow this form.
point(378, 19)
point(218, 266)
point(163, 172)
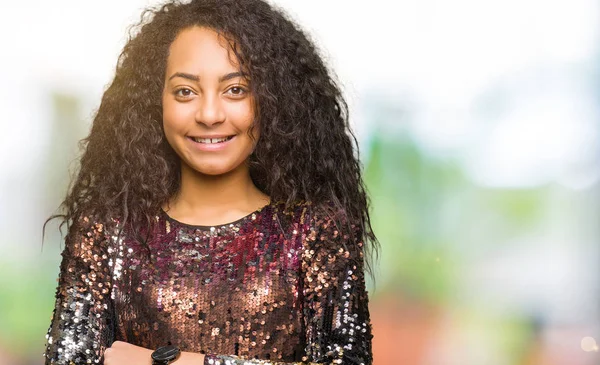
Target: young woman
point(219, 214)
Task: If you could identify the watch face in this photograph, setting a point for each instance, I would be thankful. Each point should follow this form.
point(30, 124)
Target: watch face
point(165, 353)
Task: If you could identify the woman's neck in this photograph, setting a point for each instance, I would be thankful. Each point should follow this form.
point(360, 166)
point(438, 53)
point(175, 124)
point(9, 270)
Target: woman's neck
point(210, 199)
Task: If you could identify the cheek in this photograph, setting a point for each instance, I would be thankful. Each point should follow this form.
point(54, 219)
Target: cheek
point(242, 116)
point(174, 116)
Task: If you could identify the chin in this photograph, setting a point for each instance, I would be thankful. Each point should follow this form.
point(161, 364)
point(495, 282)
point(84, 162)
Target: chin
point(212, 165)
point(212, 170)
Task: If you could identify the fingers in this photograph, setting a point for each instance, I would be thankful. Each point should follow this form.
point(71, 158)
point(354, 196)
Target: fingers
point(109, 353)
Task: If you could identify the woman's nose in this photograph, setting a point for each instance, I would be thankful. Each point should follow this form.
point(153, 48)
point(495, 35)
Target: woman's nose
point(210, 110)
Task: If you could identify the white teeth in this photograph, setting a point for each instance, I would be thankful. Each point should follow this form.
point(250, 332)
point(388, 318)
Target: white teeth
point(211, 140)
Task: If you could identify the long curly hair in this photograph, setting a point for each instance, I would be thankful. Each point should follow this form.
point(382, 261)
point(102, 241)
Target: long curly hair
point(306, 150)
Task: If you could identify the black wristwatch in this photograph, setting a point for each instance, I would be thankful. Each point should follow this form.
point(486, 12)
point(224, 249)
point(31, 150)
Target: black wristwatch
point(164, 355)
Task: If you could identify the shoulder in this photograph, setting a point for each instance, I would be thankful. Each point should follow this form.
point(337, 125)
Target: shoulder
point(333, 245)
point(332, 233)
point(309, 211)
point(291, 214)
point(291, 208)
point(88, 233)
point(321, 222)
point(332, 221)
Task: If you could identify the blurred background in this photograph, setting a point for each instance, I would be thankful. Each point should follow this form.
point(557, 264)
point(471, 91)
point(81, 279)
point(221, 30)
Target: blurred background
point(479, 130)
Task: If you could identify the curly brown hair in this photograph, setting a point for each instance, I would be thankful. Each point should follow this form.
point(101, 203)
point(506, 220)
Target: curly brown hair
point(306, 151)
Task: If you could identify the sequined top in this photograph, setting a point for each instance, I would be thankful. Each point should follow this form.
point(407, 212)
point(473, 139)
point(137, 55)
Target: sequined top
point(276, 287)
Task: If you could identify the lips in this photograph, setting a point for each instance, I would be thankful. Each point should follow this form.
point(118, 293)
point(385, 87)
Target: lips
point(211, 140)
point(212, 144)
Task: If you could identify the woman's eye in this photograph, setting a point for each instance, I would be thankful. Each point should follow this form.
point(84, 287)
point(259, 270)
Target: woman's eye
point(183, 92)
point(236, 91)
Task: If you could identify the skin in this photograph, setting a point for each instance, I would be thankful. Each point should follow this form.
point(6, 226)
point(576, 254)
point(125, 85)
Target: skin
point(215, 186)
point(204, 94)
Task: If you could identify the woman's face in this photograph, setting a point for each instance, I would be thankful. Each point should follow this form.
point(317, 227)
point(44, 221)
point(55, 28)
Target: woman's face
point(207, 105)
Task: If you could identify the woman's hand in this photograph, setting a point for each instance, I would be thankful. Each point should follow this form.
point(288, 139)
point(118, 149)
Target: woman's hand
point(123, 353)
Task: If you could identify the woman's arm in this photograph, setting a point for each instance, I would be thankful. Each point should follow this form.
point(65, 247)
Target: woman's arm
point(123, 353)
point(335, 307)
point(81, 326)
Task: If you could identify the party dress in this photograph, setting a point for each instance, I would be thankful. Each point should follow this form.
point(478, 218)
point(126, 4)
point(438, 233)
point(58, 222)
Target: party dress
point(280, 286)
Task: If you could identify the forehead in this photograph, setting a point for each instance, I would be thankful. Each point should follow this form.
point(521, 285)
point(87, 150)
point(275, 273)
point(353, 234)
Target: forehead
point(200, 50)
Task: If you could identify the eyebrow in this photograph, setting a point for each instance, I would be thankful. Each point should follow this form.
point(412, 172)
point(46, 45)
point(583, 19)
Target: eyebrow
point(196, 78)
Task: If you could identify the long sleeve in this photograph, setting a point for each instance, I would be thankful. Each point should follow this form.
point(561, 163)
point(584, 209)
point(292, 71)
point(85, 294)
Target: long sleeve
point(81, 326)
point(335, 303)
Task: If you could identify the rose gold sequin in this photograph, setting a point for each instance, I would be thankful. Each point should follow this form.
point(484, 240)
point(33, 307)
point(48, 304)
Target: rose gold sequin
point(276, 287)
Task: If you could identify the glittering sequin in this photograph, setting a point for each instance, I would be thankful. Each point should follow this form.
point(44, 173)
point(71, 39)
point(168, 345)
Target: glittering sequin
point(279, 286)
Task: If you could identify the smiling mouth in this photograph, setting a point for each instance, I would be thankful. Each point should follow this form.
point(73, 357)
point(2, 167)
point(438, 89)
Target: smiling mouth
point(211, 140)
